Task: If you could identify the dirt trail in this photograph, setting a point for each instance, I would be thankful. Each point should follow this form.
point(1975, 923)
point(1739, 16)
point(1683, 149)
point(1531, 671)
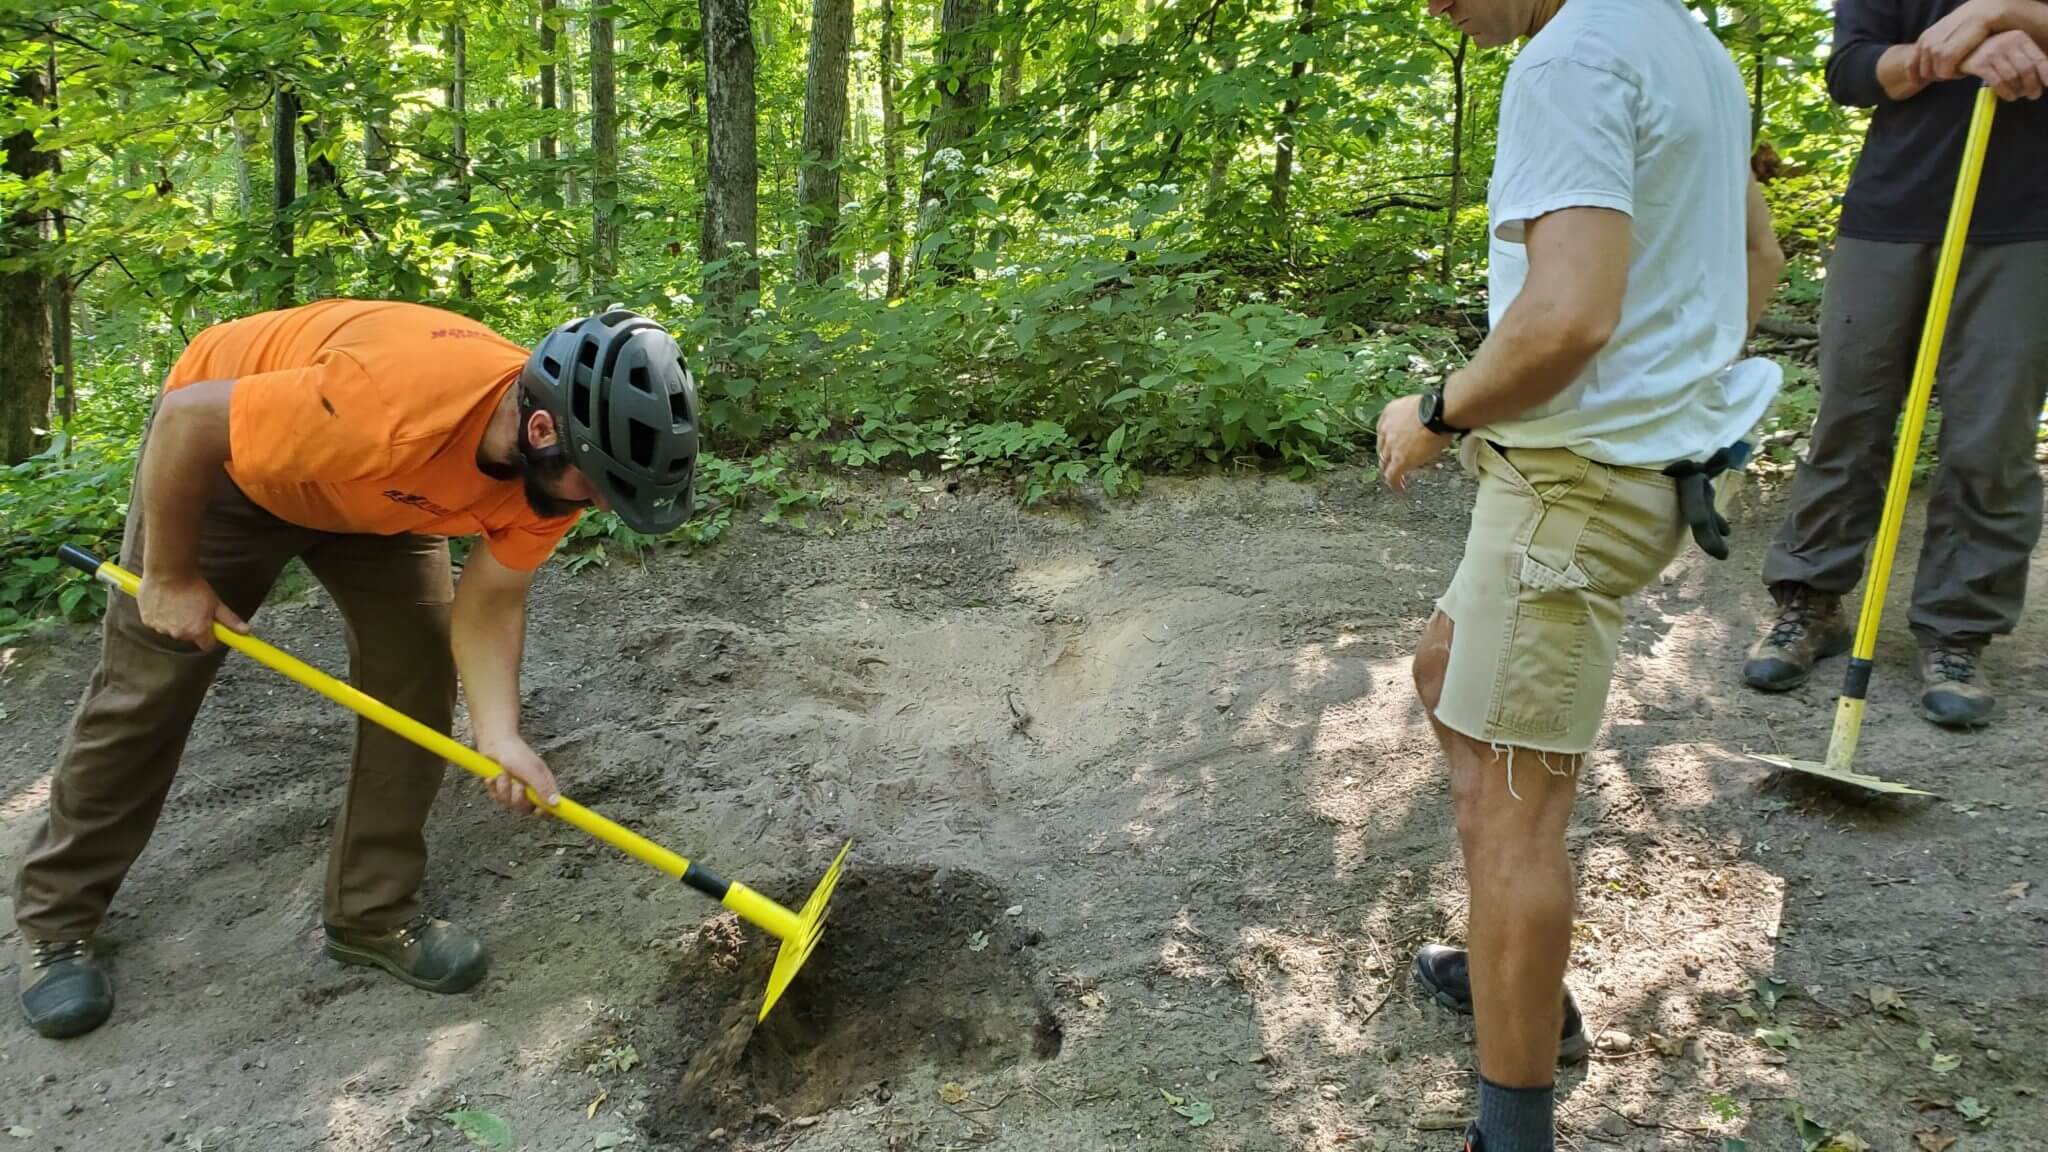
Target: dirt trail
point(1160, 760)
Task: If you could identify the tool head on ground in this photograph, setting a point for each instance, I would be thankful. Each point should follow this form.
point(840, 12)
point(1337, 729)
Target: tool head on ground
point(625, 408)
point(1842, 744)
point(1841, 775)
point(810, 926)
point(798, 932)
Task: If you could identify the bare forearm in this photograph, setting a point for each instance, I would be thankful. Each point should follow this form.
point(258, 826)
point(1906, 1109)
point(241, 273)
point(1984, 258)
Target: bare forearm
point(1531, 357)
point(188, 446)
point(488, 633)
point(1764, 270)
point(1766, 258)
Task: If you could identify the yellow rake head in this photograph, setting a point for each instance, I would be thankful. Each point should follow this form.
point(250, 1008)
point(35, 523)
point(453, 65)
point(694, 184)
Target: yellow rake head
point(1841, 775)
point(796, 948)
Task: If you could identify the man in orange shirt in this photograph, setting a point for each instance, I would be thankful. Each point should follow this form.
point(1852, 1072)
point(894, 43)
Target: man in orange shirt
point(356, 436)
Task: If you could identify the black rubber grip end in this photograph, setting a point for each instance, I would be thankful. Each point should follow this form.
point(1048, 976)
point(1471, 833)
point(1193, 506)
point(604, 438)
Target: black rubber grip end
point(1856, 685)
point(706, 881)
point(76, 557)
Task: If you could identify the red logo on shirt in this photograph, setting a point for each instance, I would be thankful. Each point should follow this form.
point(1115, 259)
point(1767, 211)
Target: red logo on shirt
point(458, 333)
point(419, 502)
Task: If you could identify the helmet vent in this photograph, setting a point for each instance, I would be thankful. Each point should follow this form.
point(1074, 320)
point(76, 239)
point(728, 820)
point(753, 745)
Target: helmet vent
point(640, 439)
point(637, 377)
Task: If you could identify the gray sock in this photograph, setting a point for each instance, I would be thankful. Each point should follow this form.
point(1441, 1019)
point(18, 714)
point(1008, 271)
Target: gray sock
point(1516, 1119)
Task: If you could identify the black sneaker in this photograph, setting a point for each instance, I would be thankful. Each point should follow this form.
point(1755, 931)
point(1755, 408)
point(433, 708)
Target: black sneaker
point(1472, 1141)
point(1442, 972)
point(1808, 628)
point(1953, 693)
point(65, 989)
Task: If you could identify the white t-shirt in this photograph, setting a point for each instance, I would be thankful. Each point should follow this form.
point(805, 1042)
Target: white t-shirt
point(1633, 105)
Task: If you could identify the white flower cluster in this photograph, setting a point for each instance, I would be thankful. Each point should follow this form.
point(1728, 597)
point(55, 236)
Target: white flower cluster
point(948, 159)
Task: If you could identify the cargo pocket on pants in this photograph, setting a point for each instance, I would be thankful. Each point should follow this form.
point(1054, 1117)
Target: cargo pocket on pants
point(1544, 664)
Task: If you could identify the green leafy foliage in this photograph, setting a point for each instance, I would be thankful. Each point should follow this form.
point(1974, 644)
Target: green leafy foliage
point(482, 1129)
point(1108, 279)
point(74, 492)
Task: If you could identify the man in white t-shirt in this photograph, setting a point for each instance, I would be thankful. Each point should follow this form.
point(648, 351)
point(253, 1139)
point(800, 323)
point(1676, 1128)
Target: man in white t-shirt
point(1630, 256)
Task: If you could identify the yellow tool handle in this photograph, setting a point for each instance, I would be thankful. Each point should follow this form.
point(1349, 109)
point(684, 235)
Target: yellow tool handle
point(1931, 336)
point(764, 913)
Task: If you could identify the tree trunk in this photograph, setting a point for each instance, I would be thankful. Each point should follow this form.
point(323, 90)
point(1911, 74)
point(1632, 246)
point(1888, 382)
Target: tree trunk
point(817, 181)
point(457, 99)
point(377, 144)
point(377, 128)
point(693, 107)
point(1443, 272)
point(951, 154)
point(1013, 52)
point(572, 192)
point(550, 192)
point(1284, 142)
point(24, 294)
point(604, 154)
point(63, 288)
point(131, 164)
point(892, 147)
point(245, 184)
point(284, 164)
point(1756, 107)
point(1224, 144)
point(732, 160)
point(320, 170)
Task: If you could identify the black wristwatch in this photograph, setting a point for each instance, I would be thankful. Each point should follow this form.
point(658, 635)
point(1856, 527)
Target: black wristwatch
point(1433, 414)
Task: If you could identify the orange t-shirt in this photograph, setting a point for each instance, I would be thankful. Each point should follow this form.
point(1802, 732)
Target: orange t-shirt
point(364, 416)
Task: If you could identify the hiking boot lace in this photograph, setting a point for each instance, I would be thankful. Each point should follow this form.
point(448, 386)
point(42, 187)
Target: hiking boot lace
point(408, 933)
point(1793, 621)
point(48, 952)
point(1954, 666)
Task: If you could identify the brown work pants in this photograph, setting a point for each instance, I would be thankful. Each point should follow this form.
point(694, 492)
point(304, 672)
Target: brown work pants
point(395, 594)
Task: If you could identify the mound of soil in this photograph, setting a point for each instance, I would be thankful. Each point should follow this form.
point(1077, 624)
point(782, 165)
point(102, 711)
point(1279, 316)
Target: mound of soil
point(919, 971)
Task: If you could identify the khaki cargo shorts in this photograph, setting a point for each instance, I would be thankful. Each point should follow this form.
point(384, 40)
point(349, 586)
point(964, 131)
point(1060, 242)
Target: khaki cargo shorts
point(1557, 542)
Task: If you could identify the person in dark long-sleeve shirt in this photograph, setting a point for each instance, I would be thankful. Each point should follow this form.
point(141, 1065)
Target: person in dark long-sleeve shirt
point(1918, 65)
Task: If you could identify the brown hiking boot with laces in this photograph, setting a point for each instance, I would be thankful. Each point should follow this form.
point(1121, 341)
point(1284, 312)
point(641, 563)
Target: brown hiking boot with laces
point(424, 952)
point(1808, 628)
point(1952, 689)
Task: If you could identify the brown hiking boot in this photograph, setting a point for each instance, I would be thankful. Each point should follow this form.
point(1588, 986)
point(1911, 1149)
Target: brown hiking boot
point(1808, 628)
point(1952, 689)
point(424, 952)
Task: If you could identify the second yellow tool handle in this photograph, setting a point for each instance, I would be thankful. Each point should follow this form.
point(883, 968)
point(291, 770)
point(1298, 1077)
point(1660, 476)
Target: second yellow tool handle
point(1936, 327)
point(764, 913)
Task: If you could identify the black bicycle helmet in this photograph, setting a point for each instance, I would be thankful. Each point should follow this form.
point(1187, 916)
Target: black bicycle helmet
point(626, 407)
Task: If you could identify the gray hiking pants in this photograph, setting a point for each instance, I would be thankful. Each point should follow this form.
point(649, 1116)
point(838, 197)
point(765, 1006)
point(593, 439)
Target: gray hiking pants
point(1984, 514)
